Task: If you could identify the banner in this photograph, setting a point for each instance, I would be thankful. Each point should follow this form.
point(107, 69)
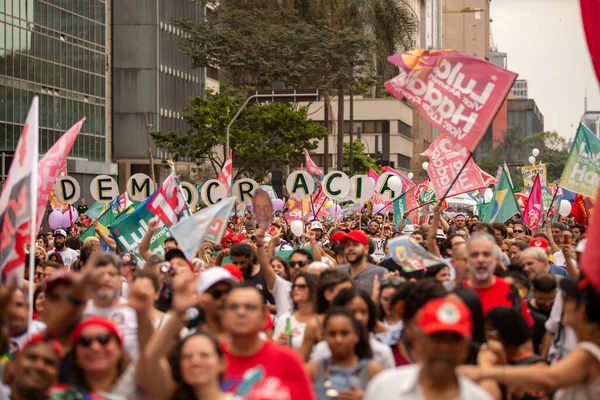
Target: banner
point(311, 167)
point(457, 93)
point(529, 173)
point(581, 173)
point(16, 208)
point(446, 159)
point(503, 205)
point(166, 203)
point(207, 224)
point(534, 209)
point(590, 259)
point(555, 206)
point(410, 255)
point(226, 174)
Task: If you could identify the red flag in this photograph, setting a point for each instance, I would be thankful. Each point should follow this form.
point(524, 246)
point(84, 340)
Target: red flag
point(311, 167)
point(590, 259)
point(406, 183)
point(534, 209)
point(590, 10)
point(459, 94)
point(16, 203)
point(579, 211)
point(52, 164)
point(227, 173)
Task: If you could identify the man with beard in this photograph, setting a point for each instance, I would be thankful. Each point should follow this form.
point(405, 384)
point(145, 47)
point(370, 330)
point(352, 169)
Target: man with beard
point(243, 255)
point(356, 249)
point(444, 340)
point(68, 255)
point(106, 301)
point(493, 291)
point(374, 229)
point(459, 223)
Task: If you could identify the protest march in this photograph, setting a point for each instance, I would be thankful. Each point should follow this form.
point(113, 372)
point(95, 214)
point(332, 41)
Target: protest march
point(340, 285)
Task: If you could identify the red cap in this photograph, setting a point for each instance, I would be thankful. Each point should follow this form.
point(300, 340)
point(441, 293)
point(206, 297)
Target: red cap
point(96, 321)
point(355, 236)
point(234, 270)
point(540, 242)
point(445, 315)
point(40, 338)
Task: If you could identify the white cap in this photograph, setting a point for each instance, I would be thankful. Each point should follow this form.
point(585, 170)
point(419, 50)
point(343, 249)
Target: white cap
point(212, 276)
point(441, 234)
point(316, 225)
point(409, 229)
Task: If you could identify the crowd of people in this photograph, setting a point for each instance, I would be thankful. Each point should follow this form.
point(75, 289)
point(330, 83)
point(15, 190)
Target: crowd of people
point(506, 314)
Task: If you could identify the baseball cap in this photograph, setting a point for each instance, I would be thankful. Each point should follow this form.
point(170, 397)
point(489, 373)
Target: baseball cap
point(445, 315)
point(60, 232)
point(234, 270)
point(129, 259)
point(540, 242)
point(212, 276)
point(409, 229)
point(316, 225)
point(355, 236)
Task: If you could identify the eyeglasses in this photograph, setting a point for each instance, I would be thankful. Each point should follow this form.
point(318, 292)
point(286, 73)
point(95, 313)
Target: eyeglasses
point(217, 294)
point(299, 286)
point(87, 341)
point(298, 263)
point(518, 231)
point(246, 306)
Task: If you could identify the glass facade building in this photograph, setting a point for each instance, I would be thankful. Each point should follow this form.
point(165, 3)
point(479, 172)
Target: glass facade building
point(54, 49)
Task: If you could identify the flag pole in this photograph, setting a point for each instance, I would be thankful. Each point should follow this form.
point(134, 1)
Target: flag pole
point(550, 208)
point(33, 206)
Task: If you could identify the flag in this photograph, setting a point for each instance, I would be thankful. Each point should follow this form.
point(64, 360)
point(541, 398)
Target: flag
point(167, 203)
point(51, 164)
point(410, 255)
point(207, 224)
point(457, 93)
point(508, 174)
point(554, 207)
point(376, 198)
point(530, 172)
point(227, 173)
point(17, 216)
point(120, 203)
point(476, 195)
point(54, 202)
point(590, 9)
point(95, 210)
point(446, 161)
point(579, 210)
point(581, 171)
point(533, 213)
point(311, 167)
point(503, 205)
point(105, 220)
point(590, 259)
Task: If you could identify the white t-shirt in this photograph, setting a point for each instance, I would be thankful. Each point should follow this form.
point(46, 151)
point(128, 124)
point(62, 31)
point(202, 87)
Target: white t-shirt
point(569, 338)
point(298, 329)
point(15, 343)
point(559, 259)
point(124, 317)
point(392, 336)
point(68, 256)
point(381, 353)
point(282, 293)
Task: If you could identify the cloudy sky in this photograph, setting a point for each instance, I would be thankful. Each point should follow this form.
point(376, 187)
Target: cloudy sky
point(546, 45)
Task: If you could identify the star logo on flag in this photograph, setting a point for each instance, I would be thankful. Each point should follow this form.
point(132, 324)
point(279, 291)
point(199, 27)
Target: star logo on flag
point(494, 78)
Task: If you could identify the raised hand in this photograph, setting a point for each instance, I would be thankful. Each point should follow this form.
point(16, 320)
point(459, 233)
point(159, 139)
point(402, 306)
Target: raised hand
point(141, 298)
point(154, 225)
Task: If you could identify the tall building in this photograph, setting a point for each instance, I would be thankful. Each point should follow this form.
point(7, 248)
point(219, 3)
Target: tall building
point(591, 119)
point(57, 51)
point(525, 115)
point(152, 80)
point(521, 89)
point(466, 25)
point(498, 58)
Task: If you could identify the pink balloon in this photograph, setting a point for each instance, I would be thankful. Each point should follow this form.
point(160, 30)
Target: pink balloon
point(335, 211)
point(378, 208)
point(277, 204)
point(55, 219)
point(66, 220)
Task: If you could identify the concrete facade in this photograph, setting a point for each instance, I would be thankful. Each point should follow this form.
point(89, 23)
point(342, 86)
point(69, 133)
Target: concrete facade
point(466, 26)
point(525, 115)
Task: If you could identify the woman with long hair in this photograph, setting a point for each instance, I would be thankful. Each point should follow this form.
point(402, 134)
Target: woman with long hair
point(389, 317)
point(347, 371)
point(281, 267)
point(290, 327)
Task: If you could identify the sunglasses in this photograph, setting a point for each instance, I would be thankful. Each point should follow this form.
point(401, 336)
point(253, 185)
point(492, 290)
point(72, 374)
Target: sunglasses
point(217, 294)
point(299, 286)
point(518, 231)
point(87, 341)
point(246, 306)
point(298, 263)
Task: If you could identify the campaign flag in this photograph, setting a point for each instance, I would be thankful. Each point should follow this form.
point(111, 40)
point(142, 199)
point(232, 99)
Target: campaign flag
point(17, 207)
point(590, 259)
point(406, 183)
point(208, 224)
point(579, 210)
point(311, 167)
point(120, 203)
point(476, 195)
point(167, 203)
point(503, 205)
point(533, 213)
point(400, 207)
point(227, 173)
point(446, 160)
point(554, 207)
point(508, 174)
point(457, 93)
point(530, 172)
point(95, 210)
point(410, 255)
point(424, 193)
point(50, 166)
point(54, 202)
point(582, 172)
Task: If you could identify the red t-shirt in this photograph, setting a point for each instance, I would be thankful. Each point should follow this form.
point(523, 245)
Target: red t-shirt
point(277, 361)
point(498, 295)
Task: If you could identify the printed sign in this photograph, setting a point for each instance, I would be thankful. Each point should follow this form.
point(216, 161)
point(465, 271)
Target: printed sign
point(530, 172)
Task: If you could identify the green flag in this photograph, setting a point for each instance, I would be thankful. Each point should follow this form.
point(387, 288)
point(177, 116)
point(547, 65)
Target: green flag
point(95, 210)
point(504, 203)
point(581, 173)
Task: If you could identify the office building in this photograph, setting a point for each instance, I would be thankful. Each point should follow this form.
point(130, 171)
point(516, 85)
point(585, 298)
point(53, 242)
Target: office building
point(525, 115)
point(466, 26)
point(57, 51)
point(498, 58)
point(521, 89)
point(591, 119)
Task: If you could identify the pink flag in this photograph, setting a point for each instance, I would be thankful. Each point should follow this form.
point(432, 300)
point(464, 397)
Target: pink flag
point(52, 164)
point(457, 93)
point(311, 167)
point(227, 173)
point(534, 209)
point(446, 159)
point(16, 203)
point(406, 183)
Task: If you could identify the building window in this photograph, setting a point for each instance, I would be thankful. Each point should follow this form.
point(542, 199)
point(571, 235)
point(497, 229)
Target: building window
point(403, 162)
point(404, 129)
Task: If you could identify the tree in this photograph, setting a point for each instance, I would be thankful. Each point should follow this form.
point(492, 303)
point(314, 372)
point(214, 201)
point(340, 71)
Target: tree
point(361, 162)
point(264, 135)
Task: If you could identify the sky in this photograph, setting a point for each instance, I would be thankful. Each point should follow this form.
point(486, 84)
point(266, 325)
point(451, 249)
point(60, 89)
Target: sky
point(545, 44)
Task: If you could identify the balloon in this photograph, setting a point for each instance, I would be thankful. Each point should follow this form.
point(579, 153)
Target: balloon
point(535, 152)
point(411, 175)
point(66, 219)
point(565, 208)
point(335, 212)
point(377, 208)
point(278, 204)
point(373, 180)
point(297, 228)
point(425, 165)
point(55, 219)
point(328, 205)
point(531, 160)
point(395, 184)
point(487, 195)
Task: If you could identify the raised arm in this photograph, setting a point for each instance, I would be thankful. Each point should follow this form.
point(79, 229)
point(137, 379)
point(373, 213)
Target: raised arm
point(431, 236)
point(553, 247)
point(263, 261)
point(144, 249)
point(314, 246)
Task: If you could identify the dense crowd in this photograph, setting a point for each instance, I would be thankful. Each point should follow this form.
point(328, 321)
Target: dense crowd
point(505, 314)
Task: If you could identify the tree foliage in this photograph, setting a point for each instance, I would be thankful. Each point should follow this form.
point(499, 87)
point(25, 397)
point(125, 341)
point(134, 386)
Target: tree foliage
point(361, 162)
point(264, 135)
